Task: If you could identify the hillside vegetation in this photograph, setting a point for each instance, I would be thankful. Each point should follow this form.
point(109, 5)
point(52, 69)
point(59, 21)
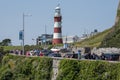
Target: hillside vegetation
point(25, 68)
point(93, 41)
point(40, 68)
point(107, 38)
point(113, 38)
point(88, 70)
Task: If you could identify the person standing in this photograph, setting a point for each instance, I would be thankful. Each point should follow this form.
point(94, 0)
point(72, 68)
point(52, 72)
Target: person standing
point(79, 54)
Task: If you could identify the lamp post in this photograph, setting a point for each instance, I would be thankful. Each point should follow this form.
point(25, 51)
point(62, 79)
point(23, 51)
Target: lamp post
point(24, 15)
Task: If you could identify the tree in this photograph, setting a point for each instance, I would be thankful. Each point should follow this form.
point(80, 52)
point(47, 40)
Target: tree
point(5, 42)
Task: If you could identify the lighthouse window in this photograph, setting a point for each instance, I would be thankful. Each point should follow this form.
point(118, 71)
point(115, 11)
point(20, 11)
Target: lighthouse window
point(58, 11)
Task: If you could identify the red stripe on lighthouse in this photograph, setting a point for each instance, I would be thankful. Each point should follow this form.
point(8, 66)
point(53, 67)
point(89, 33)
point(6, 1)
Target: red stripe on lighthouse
point(57, 30)
point(57, 19)
point(57, 41)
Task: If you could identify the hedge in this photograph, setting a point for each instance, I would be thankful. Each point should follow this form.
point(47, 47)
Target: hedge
point(25, 68)
point(88, 70)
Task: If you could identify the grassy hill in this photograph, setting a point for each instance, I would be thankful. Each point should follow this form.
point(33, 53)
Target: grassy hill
point(94, 41)
point(112, 39)
point(107, 38)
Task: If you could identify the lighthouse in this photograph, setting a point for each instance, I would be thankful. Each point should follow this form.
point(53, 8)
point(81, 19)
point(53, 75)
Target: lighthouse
point(57, 35)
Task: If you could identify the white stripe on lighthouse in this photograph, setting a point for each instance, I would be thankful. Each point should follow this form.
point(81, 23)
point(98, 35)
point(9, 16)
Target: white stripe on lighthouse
point(57, 24)
point(57, 35)
point(57, 15)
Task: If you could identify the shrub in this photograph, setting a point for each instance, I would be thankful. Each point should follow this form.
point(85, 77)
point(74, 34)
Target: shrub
point(88, 70)
point(26, 68)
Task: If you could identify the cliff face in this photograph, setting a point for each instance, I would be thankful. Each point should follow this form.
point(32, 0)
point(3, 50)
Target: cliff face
point(113, 38)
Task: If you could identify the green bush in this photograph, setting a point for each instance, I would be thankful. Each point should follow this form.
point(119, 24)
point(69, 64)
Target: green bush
point(40, 68)
point(26, 68)
point(6, 75)
point(88, 70)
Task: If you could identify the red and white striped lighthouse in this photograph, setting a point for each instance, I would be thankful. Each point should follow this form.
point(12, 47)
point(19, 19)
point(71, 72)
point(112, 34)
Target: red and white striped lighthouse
point(57, 36)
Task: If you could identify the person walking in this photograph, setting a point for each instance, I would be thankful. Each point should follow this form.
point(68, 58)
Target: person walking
point(79, 54)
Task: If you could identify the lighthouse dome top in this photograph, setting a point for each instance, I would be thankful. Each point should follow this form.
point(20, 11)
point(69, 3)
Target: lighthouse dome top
point(57, 8)
point(57, 11)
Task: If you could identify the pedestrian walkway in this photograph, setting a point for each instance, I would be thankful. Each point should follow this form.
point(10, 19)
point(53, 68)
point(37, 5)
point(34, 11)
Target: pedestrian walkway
point(55, 68)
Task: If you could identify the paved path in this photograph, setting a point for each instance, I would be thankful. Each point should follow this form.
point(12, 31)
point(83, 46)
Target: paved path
point(55, 68)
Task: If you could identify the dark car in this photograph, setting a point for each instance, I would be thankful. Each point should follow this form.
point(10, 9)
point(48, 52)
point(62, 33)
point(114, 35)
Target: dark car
point(69, 55)
point(54, 55)
point(110, 56)
point(64, 50)
point(46, 52)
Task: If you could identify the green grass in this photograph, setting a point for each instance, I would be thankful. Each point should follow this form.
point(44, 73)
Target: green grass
point(113, 38)
point(93, 41)
point(118, 13)
point(11, 48)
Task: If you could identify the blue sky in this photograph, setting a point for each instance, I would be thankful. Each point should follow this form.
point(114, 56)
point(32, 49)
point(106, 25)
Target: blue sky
point(79, 16)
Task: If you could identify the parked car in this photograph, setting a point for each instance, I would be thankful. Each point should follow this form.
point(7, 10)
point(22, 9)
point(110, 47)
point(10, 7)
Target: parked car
point(46, 52)
point(41, 54)
point(69, 55)
point(28, 53)
point(64, 50)
point(110, 56)
point(54, 55)
point(55, 49)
